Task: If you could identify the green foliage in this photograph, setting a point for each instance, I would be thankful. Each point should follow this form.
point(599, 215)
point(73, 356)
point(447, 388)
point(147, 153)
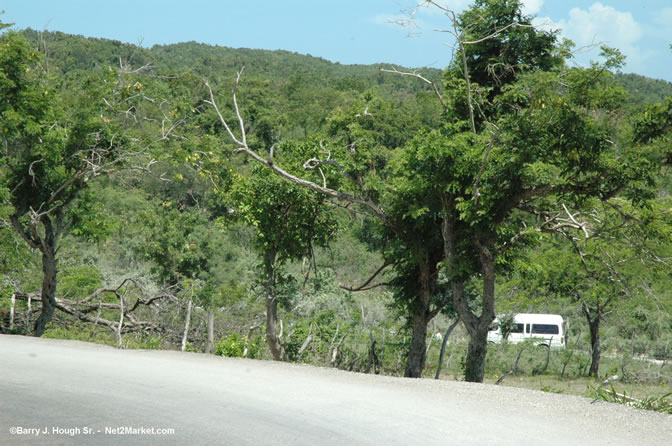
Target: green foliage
point(234, 345)
point(654, 126)
point(288, 220)
point(87, 218)
point(78, 282)
point(48, 141)
point(144, 342)
point(505, 45)
point(520, 48)
point(644, 91)
point(178, 243)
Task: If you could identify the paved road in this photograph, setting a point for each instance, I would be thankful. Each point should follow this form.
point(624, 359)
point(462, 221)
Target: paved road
point(80, 393)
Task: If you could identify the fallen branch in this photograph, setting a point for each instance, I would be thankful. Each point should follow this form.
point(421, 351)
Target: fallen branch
point(83, 309)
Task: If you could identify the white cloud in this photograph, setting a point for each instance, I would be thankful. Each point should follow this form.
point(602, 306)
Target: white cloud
point(601, 25)
point(531, 7)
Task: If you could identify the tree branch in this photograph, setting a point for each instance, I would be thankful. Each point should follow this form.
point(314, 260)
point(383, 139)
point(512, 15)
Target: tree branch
point(364, 287)
point(422, 78)
point(244, 148)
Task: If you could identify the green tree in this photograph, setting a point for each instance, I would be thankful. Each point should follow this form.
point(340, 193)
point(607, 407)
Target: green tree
point(59, 134)
point(363, 138)
point(601, 260)
point(522, 142)
point(51, 153)
point(288, 222)
point(369, 137)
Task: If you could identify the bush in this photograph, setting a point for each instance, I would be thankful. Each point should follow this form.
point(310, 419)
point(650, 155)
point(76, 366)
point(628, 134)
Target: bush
point(233, 346)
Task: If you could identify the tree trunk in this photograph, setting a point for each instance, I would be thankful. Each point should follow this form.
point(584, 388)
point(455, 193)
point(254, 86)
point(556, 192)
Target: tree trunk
point(478, 334)
point(477, 326)
point(49, 281)
point(449, 233)
point(28, 313)
point(594, 325)
point(478, 331)
point(415, 362)
point(417, 352)
point(211, 331)
point(272, 338)
point(477, 350)
point(373, 357)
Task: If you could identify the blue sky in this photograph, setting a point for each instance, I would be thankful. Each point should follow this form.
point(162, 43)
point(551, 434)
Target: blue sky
point(349, 31)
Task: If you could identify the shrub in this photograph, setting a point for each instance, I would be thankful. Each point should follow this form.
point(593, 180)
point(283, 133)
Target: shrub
point(234, 345)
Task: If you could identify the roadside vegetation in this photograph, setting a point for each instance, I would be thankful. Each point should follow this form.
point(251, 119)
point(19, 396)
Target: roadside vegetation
point(344, 216)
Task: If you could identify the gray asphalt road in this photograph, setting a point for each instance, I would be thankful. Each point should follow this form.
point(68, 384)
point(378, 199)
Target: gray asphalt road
point(82, 393)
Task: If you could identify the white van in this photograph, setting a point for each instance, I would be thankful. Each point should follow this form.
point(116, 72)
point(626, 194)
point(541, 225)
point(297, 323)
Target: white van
point(545, 329)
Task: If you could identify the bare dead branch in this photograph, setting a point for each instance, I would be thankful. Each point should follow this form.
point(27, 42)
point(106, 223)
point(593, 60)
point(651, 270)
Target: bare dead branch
point(423, 79)
point(213, 103)
point(578, 225)
point(244, 148)
point(83, 315)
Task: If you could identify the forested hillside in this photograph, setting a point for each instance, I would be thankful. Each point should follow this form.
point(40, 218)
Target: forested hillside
point(345, 216)
point(643, 90)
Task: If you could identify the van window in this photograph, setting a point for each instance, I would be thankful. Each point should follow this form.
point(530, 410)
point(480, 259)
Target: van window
point(493, 327)
point(517, 328)
point(545, 329)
